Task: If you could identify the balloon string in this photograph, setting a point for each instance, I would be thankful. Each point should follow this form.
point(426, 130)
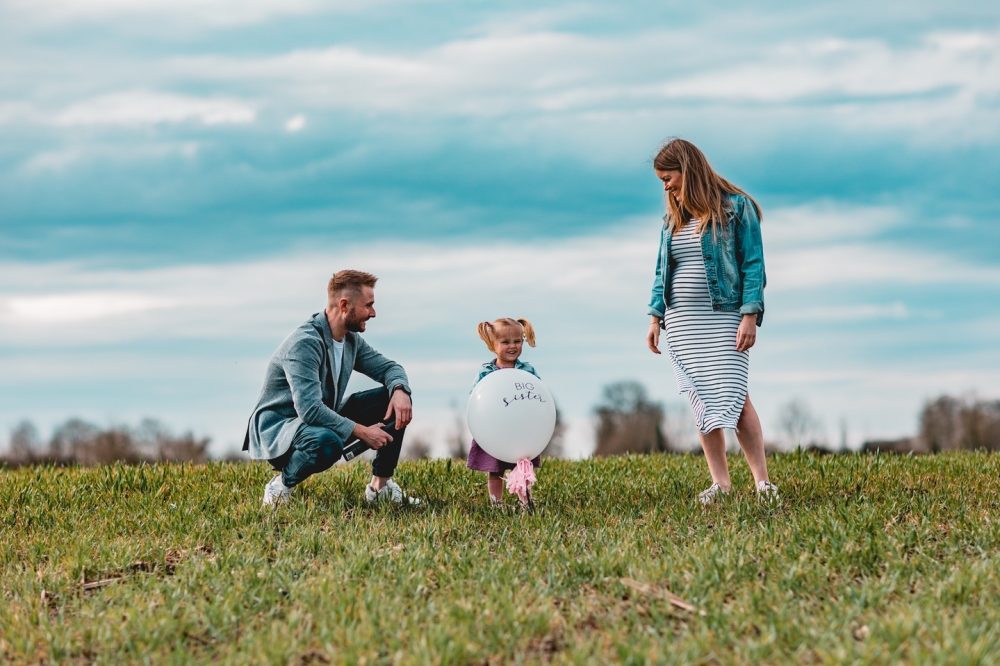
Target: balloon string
point(520, 479)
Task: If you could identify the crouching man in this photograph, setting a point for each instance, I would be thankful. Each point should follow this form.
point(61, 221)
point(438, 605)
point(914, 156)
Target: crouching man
point(302, 421)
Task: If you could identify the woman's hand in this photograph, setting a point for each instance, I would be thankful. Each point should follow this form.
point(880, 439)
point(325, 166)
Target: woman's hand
point(746, 334)
point(653, 336)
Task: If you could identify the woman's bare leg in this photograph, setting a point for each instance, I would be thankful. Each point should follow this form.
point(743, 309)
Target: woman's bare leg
point(713, 444)
point(751, 439)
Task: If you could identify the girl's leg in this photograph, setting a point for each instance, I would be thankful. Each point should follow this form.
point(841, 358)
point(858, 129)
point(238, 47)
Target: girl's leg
point(713, 444)
point(751, 438)
point(495, 486)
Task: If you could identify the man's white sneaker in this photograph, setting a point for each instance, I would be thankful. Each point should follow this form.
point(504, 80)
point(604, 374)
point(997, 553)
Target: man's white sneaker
point(710, 494)
point(390, 493)
point(767, 490)
point(276, 492)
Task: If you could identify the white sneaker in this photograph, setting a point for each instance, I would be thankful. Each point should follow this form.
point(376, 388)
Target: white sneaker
point(710, 494)
point(276, 492)
point(390, 493)
point(767, 490)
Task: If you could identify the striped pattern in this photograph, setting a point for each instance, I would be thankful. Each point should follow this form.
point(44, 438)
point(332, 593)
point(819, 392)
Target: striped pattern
point(701, 342)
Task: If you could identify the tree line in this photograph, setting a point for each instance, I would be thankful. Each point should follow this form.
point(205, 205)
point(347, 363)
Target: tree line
point(78, 442)
point(626, 421)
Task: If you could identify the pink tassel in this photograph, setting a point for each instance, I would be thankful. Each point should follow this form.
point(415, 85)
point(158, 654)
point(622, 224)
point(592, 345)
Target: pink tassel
point(520, 479)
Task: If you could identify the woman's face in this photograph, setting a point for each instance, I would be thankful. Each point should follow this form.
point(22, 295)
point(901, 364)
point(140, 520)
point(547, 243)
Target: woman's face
point(672, 182)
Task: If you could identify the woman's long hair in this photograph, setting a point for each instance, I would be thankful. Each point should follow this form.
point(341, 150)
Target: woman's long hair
point(702, 190)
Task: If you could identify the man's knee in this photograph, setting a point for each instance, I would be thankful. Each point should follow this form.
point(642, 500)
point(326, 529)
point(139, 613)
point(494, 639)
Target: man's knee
point(321, 443)
point(367, 407)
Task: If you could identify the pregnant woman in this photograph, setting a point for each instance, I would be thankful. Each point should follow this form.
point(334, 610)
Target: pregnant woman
point(708, 295)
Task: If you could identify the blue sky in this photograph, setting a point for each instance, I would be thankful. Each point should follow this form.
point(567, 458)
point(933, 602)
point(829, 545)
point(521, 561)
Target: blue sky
point(178, 180)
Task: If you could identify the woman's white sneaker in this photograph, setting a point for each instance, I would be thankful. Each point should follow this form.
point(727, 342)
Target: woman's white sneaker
point(710, 494)
point(276, 492)
point(767, 490)
point(390, 493)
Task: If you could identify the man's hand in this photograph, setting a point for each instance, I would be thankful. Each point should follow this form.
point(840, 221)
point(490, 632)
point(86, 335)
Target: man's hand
point(400, 408)
point(653, 337)
point(746, 334)
point(374, 436)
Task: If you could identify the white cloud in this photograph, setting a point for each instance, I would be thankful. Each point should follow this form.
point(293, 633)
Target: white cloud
point(295, 124)
point(187, 14)
point(852, 313)
point(943, 78)
point(75, 307)
point(143, 107)
point(53, 160)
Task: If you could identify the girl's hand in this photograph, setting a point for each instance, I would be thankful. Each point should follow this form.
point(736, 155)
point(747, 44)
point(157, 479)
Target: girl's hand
point(653, 337)
point(746, 334)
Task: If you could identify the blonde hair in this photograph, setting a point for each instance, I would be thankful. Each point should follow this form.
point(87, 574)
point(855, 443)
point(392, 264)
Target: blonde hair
point(488, 330)
point(702, 190)
point(348, 280)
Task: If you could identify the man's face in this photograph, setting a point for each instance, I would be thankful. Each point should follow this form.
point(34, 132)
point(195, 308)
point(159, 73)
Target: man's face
point(359, 309)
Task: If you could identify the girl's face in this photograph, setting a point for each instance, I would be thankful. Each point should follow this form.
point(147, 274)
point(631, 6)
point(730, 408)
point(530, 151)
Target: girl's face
point(672, 182)
point(507, 344)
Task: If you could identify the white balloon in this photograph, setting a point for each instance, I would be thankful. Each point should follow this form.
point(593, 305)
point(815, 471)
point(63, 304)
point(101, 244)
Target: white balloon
point(511, 415)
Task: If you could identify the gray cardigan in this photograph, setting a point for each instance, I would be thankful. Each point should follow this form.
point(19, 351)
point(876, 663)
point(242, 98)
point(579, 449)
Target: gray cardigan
point(299, 386)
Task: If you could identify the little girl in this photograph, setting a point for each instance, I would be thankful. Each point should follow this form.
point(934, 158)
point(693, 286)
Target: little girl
point(505, 338)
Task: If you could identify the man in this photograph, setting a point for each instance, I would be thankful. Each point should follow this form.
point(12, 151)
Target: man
point(302, 421)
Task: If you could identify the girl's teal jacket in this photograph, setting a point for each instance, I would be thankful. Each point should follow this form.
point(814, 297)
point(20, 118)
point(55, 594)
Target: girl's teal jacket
point(734, 263)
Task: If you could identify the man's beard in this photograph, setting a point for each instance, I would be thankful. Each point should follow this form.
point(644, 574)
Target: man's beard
point(355, 324)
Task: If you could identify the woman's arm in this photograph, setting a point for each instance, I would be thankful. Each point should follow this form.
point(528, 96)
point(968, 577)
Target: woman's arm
point(750, 252)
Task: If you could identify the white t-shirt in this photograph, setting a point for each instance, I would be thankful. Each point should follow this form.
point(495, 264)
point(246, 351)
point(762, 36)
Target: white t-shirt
point(338, 358)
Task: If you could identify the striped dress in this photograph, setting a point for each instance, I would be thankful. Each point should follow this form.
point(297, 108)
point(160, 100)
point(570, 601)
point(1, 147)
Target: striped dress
point(701, 342)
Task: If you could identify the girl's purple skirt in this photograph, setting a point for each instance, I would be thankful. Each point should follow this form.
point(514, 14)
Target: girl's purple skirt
point(483, 462)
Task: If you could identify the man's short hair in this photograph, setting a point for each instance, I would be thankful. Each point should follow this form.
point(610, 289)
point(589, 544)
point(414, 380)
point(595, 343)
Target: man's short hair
point(350, 282)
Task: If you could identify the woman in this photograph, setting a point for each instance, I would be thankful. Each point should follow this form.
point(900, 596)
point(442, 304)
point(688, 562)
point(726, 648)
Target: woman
point(708, 294)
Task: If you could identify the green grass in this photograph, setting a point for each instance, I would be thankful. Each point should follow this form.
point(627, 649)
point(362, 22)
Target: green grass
point(865, 559)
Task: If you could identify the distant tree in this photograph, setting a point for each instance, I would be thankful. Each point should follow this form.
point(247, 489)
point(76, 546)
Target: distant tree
point(154, 441)
point(941, 425)
point(981, 425)
point(948, 423)
point(24, 443)
point(183, 448)
point(112, 445)
point(628, 421)
point(70, 440)
point(797, 422)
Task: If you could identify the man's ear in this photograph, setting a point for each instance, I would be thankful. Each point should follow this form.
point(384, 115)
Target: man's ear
point(344, 304)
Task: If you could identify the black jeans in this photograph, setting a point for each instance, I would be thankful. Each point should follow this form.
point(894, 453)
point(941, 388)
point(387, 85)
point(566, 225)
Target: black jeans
point(314, 449)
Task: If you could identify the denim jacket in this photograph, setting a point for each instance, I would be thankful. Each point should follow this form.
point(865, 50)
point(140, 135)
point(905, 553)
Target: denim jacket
point(492, 366)
point(734, 264)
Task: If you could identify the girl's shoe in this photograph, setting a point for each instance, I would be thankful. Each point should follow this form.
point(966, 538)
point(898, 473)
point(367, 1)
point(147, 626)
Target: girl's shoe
point(767, 490)
point(496, 503)
point(710, 494)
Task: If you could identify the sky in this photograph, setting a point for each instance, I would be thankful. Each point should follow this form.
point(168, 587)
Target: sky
point(178, 180)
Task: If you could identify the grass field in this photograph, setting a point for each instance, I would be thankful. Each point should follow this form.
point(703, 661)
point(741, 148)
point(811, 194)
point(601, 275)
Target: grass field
point(865, 559)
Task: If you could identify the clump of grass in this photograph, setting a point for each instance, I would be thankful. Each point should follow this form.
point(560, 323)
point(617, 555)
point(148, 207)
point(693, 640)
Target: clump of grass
point(864, 558)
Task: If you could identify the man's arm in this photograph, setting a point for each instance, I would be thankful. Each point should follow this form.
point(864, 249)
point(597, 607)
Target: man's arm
point(373, 364)
point(390, 374)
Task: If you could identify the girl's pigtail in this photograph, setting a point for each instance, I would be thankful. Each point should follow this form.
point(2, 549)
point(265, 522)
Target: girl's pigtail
point(529, 331)
point(485, 330)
